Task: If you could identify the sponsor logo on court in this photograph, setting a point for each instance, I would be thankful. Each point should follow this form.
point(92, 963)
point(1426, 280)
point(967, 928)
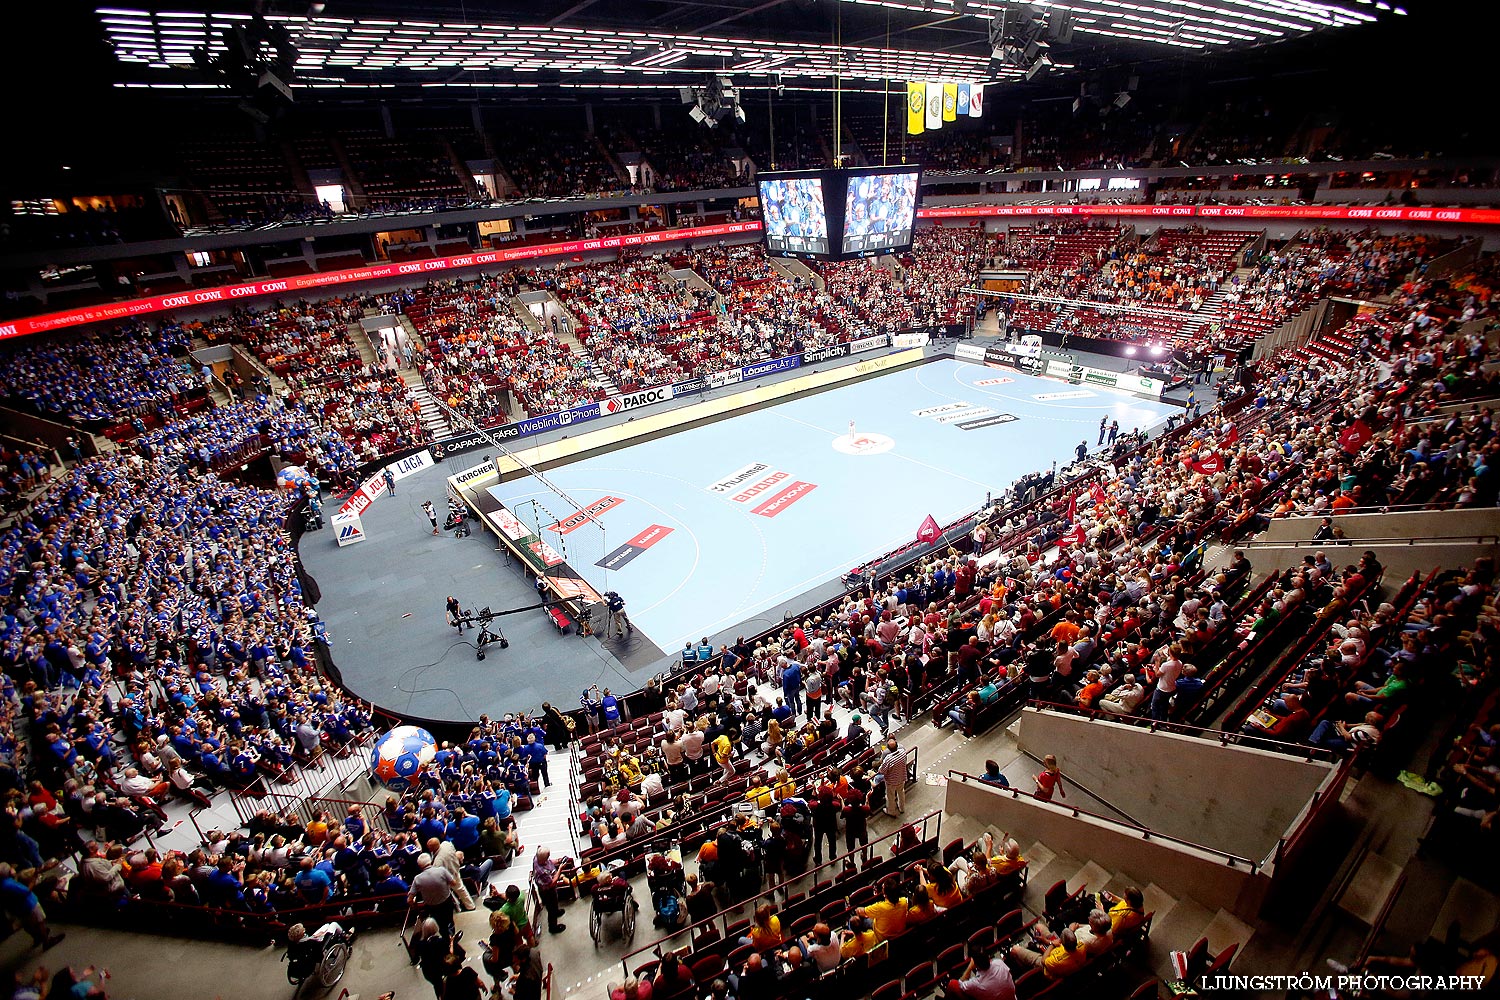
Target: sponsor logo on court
point(990, 421)
point(995, 381)
point(739, 476)
point(640, 543)
point(582, 517)
point(756, 489)
point(650, 536)
point(784, 499)
point(1046, 397)
point(863, 443)
point(953, 418)
point(933, 411)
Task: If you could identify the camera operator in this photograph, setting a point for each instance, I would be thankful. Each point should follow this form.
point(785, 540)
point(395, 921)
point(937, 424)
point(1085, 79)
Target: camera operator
point(455, 614)
point(619, 621)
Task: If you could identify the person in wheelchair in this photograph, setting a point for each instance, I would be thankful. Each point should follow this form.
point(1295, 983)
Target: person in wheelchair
point(306, 953)
point(612, 893)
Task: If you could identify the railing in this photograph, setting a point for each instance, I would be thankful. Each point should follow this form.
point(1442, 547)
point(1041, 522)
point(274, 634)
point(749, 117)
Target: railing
point(1289, 845)
point(1408, 540)
point(1145, 833)
point(708, 818)
point(1226, 739)
point(929, 831)
point(328, 768)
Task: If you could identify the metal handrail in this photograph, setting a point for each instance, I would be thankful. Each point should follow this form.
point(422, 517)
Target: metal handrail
point(1231, 859)
point(723, 917)
point(1223, 737)
point(1408, 540)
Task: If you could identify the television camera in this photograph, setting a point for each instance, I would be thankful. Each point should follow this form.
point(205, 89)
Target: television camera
point(483, 619)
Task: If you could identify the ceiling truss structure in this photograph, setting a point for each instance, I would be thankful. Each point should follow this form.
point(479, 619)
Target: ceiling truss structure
point(666, 44)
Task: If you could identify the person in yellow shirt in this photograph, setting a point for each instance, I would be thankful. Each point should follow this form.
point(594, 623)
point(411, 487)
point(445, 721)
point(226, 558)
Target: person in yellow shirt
point(920, 908)
point(765, 929)
point(1008, 860)
point(1057, 959)
point(760, 795)
point(941, 886)
point(1126, 913)
point(630, 771)
point(859, 937)
point(785, 787)
point(889, 914)
point(723, 751)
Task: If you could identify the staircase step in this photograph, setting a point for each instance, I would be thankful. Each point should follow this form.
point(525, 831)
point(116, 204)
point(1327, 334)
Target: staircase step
point(1182, 926)
point(1227, 929)
point(1091, 876)
point(1157, 901)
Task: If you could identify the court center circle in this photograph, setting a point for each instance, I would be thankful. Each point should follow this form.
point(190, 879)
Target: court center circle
point(863, 443)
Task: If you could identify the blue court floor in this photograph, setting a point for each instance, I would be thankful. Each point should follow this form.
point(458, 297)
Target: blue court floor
point(711, 527)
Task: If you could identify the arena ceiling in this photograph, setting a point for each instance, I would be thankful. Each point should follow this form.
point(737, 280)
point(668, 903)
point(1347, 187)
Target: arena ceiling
point(646, 45)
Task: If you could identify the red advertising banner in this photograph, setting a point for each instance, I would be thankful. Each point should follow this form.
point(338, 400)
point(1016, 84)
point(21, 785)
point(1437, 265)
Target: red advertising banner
point(1335, 213)
point(308, 282)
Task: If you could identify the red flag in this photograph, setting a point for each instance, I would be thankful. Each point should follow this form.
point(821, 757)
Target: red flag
point(1097, 492)
point(1398, 425)
point(929, 531)
point(1355, 436)
point(1072, 508)
point(1208, 465)
point(1075, 537)
point(1230, 438)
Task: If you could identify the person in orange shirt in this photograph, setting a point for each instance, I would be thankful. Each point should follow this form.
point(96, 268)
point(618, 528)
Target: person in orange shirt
point(1341, 503)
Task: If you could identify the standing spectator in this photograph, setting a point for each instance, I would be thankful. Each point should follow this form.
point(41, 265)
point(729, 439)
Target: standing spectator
point(390, 480)
point(893, 770)
point(436, 888)
point(21, 904)
point(1050, 780)
point(431, 513)
point(544, 871)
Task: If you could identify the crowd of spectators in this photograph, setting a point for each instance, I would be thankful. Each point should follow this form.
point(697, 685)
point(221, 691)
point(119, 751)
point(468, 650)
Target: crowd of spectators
point(560, 164)
point(683, 161)
point(132, 369)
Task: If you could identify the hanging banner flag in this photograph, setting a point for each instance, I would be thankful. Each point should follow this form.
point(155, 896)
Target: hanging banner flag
point(916, 107)
point(1230, 438)
point(976, 100)
point(1075, 537)
point(962, 111)
point(1355, 436)
point(950, 102)
point(1208, 465)
point(934, 104)
point(1097, 492)
point(929, 531)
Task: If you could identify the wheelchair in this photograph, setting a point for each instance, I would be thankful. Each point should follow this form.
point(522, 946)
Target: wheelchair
point(320, 963)
point(621, 900)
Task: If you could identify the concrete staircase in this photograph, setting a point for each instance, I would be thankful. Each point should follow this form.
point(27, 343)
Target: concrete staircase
point(600, 376)
point(432, 416)
point(1177, 923)
point(1212, 308)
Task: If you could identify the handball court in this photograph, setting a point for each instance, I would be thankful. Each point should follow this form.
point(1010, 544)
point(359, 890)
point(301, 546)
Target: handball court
point(704, 532)
point(715, 531)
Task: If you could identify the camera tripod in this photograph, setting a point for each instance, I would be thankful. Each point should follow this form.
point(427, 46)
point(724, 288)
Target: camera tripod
point(486, 637)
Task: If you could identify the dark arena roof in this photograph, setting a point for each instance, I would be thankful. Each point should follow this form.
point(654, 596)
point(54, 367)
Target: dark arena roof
point(1041, 452)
